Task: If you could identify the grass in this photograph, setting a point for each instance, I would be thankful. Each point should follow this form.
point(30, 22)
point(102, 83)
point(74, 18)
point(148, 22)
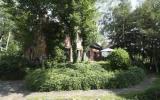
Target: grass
point(107, 97)
point(133, 95)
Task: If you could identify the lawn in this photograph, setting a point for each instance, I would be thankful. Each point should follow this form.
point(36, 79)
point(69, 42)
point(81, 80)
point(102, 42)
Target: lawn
point(107, 97)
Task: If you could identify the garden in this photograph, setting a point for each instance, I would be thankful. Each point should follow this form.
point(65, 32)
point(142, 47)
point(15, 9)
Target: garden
point(56, 47)
point(86, 76)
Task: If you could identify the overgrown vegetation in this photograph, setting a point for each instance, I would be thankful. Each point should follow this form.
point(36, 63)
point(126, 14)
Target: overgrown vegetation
point(150, 94)
point(82, 77)
point(13, 68)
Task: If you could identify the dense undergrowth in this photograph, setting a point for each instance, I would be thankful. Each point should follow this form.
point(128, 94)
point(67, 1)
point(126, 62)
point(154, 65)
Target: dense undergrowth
point(82, 77)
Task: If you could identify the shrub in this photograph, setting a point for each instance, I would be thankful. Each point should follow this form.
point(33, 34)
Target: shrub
point(104, 64)
point(127, 78)
point(58, 54)
point(12, 68)
point(119, 59)
point(81, 77)
point(150, 94)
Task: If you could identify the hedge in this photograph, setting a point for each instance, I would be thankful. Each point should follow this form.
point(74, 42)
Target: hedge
point(82, 77)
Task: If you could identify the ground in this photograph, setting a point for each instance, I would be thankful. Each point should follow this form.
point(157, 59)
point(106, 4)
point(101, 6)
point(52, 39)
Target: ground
point(15, 90)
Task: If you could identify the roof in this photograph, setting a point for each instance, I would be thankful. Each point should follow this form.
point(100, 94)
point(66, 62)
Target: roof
point(96, 46)
point(107, 49)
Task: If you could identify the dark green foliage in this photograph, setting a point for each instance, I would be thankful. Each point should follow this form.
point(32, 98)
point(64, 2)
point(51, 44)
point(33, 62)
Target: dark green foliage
point(104, 64)
point(137, 31)
point(151, 94)
point(12, 64)
point(58, 55)
point(128, 78)
point(81, 77)
point(119, 59)
point(12, 68)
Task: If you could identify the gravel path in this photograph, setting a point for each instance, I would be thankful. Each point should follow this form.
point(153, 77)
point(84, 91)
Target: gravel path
point(15, 90)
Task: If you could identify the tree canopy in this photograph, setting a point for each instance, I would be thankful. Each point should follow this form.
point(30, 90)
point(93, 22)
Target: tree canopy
point(41, 25)
point(137, 31)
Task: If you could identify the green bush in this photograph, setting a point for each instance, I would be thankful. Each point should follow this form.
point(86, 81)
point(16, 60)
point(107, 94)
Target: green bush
point(150, 94)
point(127, 78)
point(58, 54)
point(12, 68)
point(119, 59)
point(81, 77)
point(104, 64)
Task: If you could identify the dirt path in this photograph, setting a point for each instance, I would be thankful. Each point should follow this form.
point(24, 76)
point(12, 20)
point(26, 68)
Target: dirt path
point(15, 90)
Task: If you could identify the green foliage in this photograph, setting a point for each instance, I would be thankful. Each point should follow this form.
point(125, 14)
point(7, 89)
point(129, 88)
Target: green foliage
point(153, 93)
point(137, 31)
point(119, 59)
point(104, 64)
point(12, 64)
point(12, 67)
point(58, 55)
point(52, 20)
point(127, 78)
point(81, 77)
point(6, 22)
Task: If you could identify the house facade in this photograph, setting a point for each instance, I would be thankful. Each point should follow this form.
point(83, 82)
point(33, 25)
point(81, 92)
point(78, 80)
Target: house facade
point(68, 47)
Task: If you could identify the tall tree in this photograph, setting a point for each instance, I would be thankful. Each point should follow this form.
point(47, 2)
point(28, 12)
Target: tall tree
point(44, 24)
point(88, 25)
point(137, 31)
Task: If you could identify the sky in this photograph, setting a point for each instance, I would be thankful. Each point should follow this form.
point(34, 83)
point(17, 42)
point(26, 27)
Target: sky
point(135, 3)
point(103, 6)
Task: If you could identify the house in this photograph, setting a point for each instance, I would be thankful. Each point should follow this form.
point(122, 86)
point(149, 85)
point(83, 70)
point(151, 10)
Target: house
point(106, 52)
point(94, 53)
point(68, 47)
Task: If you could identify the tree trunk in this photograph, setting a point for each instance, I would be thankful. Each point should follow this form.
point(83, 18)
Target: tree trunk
point(39, 45)
point(78, 55)
point(74, 53)
point(84, 56)
point(156, 66)
point(71, 55)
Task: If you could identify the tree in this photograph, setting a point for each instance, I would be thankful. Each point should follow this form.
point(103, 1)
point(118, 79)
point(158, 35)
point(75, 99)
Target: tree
point(78, 16)
point(88, 25)
point(137, 31)
point(7, 25)
point(43, 24)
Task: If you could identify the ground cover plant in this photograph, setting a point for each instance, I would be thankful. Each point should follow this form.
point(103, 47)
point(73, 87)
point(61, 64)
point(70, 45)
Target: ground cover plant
point(82, 77)
point(13, 68)
point(152, 93)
